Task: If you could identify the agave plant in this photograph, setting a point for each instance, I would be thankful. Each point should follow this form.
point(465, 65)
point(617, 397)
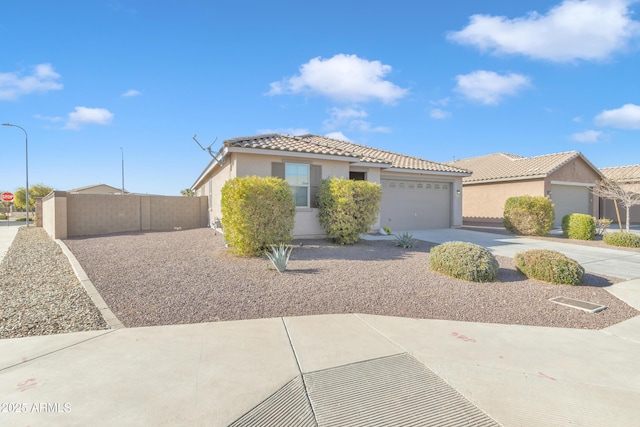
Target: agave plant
point(405, 240)
point(279, 256)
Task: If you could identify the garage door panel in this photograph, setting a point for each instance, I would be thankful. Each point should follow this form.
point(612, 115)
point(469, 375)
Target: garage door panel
point(568, 199)
point(410, 205)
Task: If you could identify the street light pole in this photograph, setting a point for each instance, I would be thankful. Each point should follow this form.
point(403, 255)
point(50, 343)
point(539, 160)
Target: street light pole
point(26, 147)
point(122, 152)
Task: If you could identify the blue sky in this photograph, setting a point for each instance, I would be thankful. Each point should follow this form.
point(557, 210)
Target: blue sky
point(437, 80)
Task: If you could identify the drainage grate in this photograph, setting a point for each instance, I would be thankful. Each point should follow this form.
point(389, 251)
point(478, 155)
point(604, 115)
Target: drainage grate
point(289, 406)
point(391, 391)
point(582, 305)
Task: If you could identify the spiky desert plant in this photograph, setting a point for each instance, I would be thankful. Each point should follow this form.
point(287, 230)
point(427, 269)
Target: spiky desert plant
point(279, 256)
point(405, 240)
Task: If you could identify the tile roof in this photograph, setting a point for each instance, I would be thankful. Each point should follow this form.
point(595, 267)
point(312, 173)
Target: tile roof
point(506, 167)
point(315, 144)
point(629, 173)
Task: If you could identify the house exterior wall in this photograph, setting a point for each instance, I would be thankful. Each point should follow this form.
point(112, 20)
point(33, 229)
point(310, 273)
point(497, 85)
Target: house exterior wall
point(608, 210)
point(306, 220)
point(238, 164)
point(485, 202)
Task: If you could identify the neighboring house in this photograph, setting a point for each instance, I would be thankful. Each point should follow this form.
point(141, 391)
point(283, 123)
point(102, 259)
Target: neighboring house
point(566, 178)
point(417, 193)
point(629, 177)
point(97, 189)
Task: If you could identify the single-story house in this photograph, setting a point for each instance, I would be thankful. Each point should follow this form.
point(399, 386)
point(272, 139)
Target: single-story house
point(417, 193)
point(566, 178)
point(97, 189)
point(629, 177)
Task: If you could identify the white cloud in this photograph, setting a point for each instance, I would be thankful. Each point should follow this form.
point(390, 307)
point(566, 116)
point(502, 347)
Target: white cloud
point(588, 136)
point(338, 135)
point(441, 102)
point(572, 30)
point(577, 119)
point(488, 87)
point(342, 116)
point(438, 114)
point(351, 119)
point(48, 118)
point(286, 131)
point(83, 116)
point(131, 92)
point(625, 117)
point(343, 78)
point(43, 79)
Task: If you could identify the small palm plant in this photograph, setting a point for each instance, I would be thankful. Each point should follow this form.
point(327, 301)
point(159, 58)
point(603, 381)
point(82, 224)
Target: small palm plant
point(405, 240)
point(279, 256)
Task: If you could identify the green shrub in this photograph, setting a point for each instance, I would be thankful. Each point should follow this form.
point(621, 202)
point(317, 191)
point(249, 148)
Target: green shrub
point(617, 238)
point(3, 216)
point(549, 266)
point(579, 226)
point(528, 215)
point(257, 213)
point(347, 208)
point(463, 260)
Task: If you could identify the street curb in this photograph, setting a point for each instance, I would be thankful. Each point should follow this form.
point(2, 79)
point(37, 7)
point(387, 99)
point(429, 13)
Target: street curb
point(98, 301)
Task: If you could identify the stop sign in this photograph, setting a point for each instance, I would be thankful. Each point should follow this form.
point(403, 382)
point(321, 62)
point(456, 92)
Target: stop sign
point(7, 197)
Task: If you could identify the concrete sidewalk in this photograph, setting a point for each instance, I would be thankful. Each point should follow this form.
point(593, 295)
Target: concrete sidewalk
point(335, 369)
point(8, 231)
point(213, 374)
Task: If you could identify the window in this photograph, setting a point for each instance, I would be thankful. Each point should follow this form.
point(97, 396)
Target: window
point(357, 176)
point(297, 175)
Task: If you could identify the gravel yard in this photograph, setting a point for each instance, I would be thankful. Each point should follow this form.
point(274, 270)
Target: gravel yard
point(39, 292)
point(188, 276)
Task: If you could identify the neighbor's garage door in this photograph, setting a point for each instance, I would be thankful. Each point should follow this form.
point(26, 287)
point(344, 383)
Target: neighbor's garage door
point(411, 205)
point(568, 199)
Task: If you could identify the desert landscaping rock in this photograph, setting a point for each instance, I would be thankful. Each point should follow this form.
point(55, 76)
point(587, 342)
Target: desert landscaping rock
point(39, 292)
point(188, 276)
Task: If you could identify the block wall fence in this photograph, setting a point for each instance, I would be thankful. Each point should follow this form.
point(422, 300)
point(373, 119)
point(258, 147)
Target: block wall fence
point(72, 215)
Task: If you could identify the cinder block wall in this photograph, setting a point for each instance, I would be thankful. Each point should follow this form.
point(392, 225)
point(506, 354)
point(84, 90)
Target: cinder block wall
point(94, 214)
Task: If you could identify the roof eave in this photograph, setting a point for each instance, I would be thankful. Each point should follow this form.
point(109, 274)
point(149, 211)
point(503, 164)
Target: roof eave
point(425, 171)
point(289, 153)
point(506, 179)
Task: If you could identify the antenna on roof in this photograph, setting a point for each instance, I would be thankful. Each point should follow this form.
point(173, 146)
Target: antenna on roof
point(208, 149)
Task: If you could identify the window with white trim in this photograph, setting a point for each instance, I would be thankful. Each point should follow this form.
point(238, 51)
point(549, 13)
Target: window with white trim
point(297, 175)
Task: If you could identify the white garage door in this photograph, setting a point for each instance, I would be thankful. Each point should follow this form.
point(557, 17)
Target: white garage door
point(412, 205)
point(568, 199)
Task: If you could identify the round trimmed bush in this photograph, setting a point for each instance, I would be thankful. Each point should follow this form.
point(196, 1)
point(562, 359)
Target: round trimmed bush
point(617, 238)
point(579, 226)
point(463, 260)
point(257, 212)
point(549, 266)
point(528, 215)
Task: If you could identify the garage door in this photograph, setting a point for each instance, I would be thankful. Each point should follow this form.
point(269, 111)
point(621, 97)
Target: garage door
point(568, 199)
point(411, 205)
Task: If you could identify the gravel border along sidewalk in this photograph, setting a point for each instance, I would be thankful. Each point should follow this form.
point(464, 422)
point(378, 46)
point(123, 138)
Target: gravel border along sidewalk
point(188, 276)
point(39, 292)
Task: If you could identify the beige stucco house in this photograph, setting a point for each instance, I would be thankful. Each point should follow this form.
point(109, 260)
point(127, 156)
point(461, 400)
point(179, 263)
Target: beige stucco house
point(566, 178)
point(417, 193)
point(629, 177)
point(97, 189)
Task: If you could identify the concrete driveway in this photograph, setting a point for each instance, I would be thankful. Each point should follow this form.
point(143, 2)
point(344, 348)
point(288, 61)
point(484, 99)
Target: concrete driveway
point(604, 261)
